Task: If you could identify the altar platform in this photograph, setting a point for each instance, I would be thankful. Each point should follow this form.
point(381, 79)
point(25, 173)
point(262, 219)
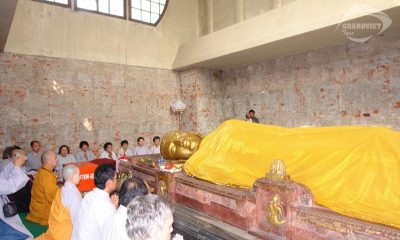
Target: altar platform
point(275, 208)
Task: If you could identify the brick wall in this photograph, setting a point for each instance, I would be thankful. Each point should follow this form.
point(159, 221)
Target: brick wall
point(200, 92)
point(349, 84)
point(64, 101)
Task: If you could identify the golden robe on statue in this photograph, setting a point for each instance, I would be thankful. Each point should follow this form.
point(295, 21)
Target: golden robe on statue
point(43, 191)
point(354, 171)
point(60, 226)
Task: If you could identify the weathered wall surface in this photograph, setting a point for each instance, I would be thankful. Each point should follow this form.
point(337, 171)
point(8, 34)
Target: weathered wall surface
point(350, 84)
point(225, 13)
point(200, 93)
point(64, 101)
point(47, 30)
point(218, 14)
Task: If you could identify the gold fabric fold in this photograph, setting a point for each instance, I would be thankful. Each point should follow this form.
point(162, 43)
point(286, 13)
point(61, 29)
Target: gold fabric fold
point(352, 170)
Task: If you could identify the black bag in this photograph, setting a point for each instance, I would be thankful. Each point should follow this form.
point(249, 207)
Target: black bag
point(22, 198)
point(9, 208)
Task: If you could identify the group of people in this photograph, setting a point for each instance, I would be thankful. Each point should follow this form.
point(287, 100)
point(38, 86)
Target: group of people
point(131, 213)
point(124, 150)
point(33, 180)
point(84, 154)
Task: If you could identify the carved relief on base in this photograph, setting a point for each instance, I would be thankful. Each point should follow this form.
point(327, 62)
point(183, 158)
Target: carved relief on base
point(330, 225)
point(277, 208)
point(231, 205)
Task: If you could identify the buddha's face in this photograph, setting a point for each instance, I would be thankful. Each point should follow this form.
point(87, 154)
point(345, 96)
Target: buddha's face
point(180, 145)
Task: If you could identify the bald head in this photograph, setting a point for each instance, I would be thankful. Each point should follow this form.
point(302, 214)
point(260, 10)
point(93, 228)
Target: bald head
point(49, 158)
point(69, 172)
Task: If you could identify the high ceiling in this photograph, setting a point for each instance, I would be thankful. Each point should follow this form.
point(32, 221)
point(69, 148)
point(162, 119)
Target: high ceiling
point(285, 31)
point(7, 10)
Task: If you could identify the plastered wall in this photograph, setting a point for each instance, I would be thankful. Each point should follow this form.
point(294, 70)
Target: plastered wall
point(48, 30)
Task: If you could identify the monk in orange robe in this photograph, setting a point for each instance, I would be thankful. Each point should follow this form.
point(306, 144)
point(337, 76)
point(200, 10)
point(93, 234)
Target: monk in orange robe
point(44, 190)
point(64, 208)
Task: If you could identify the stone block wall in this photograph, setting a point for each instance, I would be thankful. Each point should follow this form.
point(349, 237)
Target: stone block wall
point(63, 101)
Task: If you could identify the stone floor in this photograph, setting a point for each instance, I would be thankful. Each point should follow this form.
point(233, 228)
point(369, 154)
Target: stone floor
point(194, 225)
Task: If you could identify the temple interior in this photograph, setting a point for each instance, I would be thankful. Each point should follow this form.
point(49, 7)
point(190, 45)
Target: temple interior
point(104, 71)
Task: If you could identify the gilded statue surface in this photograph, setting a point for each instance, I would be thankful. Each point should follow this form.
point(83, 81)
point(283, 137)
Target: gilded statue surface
point(237, 153)
point(179, 145)
point(163, 189)
point(277, 170)
point(275, 213)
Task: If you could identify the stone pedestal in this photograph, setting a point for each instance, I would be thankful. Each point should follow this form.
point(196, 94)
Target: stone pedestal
point(276, 208)
point(234, 206)
point(274, 202)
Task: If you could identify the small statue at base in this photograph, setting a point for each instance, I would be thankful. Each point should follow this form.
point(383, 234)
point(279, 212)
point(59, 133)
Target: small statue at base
point(275, 211)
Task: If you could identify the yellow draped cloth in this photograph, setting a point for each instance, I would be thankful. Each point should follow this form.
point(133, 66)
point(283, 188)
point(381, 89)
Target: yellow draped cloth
point(352, 170)
point(43, 191)
point(60, 226)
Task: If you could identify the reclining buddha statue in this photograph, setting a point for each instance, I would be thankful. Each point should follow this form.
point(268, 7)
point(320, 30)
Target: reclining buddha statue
point(352, 170)
point(178, 145)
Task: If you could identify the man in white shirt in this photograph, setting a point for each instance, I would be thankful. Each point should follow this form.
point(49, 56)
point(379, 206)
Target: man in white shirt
point(124, 149)
point(35, 157)
point(97, 205)
point(13, 178)
point(155, 148)
point(84, 154)
point(140, 149)
point(114, 227)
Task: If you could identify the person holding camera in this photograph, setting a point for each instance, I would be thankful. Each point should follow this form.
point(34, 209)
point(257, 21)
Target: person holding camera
point(12, 179)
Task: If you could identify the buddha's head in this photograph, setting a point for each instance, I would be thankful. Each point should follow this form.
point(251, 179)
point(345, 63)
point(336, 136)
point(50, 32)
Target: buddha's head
point(180, 145)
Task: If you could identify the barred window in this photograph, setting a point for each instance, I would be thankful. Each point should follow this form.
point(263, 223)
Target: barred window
point(64, 3)
point(108, 7)
point(147, 11)
point(144, 11)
